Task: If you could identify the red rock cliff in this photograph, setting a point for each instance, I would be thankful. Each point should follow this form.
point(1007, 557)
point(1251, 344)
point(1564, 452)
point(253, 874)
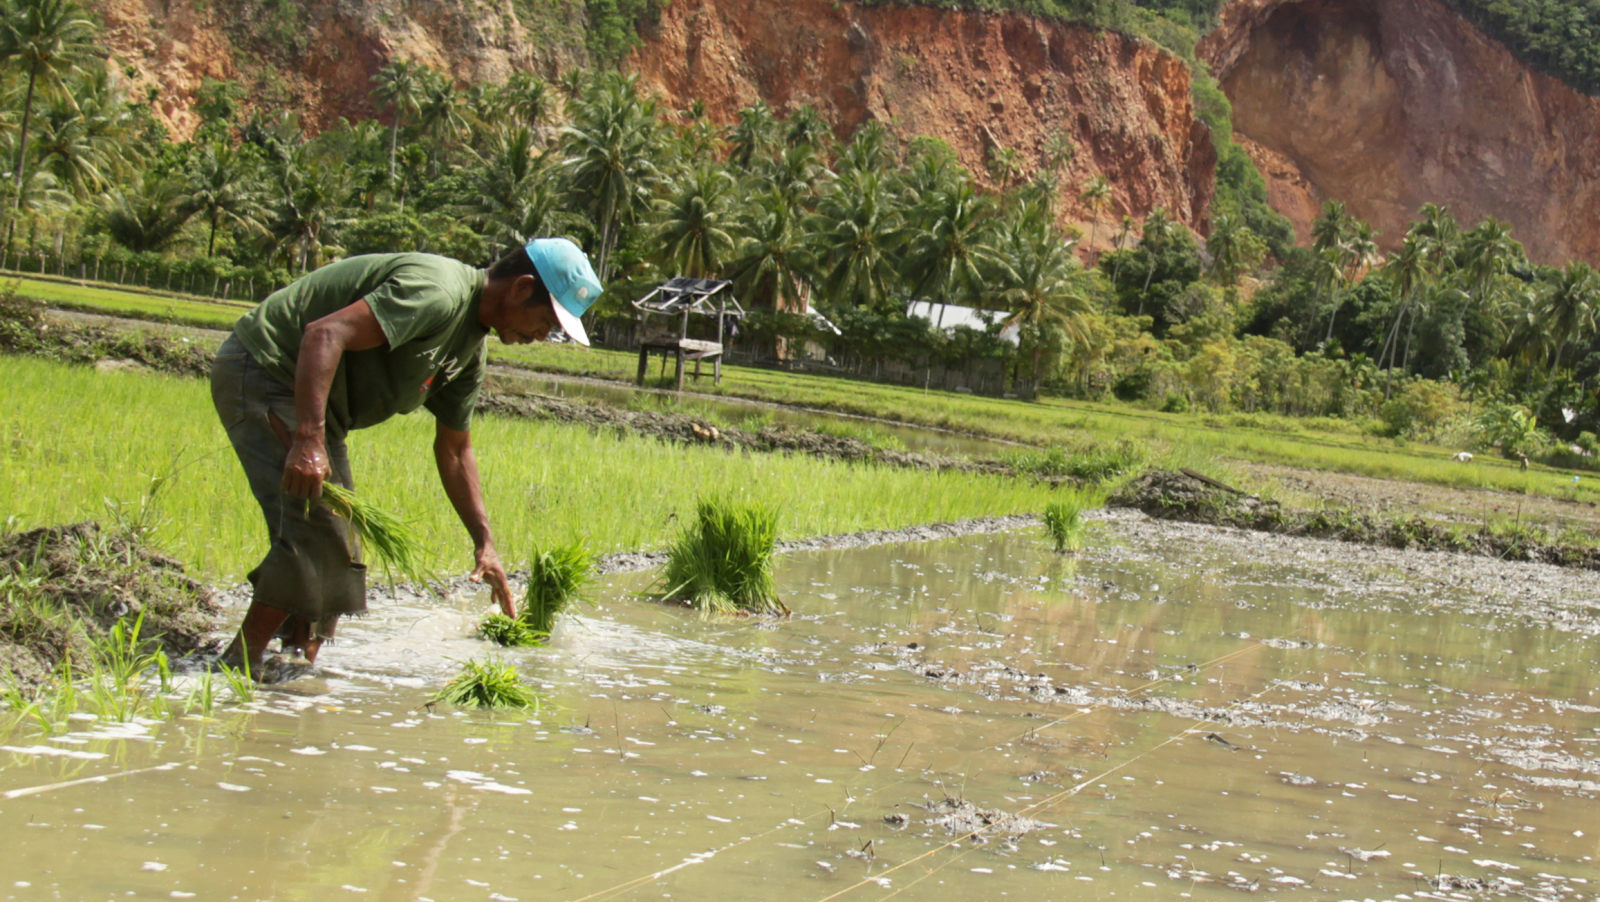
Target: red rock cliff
point(974, 80)
point(1390, 104)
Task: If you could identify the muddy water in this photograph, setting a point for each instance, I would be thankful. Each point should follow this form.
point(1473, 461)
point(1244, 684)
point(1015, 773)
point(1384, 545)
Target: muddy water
point(1186, 711)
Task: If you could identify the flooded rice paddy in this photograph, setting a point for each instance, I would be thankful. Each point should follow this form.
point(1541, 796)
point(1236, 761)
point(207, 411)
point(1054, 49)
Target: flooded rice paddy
point(1180, 711)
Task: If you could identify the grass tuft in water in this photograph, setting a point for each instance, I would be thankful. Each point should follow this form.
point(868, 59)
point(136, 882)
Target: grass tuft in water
point(390, 540)
point(509, 631)
point(489, 684)
point(556, 577)
point(723, 561)
point(1064, 522)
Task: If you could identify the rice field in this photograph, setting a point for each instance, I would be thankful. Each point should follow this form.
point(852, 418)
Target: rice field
point(86, 445)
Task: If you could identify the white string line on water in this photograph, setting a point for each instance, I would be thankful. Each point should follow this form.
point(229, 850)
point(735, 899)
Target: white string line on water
point(707, 856)
point(81, 781)
point(1043, 803)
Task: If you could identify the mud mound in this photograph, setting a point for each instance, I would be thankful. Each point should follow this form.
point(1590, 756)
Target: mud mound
point(65, 587)
point(24, 330)
point(1195, 498)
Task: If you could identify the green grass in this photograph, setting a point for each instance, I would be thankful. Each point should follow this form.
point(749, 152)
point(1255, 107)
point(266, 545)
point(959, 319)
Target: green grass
point(722, 561)
point(1319, 443)
point(95, 436)
point(134, 304)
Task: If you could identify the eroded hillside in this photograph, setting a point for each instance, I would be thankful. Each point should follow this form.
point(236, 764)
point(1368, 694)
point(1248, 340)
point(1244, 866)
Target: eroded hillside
point(1390, 105)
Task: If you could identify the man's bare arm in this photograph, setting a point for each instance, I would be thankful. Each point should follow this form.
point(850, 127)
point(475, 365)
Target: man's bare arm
point(458, 471)
point(324, 344)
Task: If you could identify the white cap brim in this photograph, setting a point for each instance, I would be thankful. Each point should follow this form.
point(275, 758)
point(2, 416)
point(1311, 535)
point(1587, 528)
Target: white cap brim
point(570, 324)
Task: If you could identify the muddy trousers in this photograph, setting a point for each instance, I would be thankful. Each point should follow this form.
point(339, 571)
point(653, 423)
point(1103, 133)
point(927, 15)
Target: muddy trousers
point(313, 568)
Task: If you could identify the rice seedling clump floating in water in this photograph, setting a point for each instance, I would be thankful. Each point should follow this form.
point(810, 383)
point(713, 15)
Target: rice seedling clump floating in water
point(1063, 520)
point(487, 684)
point(556, 576)
point(509, 631)
point(723, 561)
point(390, 540)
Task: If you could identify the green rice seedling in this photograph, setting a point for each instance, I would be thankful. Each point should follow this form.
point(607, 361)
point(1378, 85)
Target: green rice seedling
point(1063, 518)
point(388, 537)
point(509, 631)
point(556, 577)
point(723, 561)
point(202, 695)
point(490, 684)
point(240, 682)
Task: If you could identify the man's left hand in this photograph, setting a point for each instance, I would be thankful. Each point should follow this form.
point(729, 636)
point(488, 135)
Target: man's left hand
point(488, 570)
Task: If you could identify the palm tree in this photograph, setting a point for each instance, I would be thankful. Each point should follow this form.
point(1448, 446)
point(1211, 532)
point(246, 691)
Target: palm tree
point(49, 39)
point(1097, 196)
point(1005, 165)
point(771, 255)
point(399, 87)
point(514, 193)
point(528, 98)
point(806, 126)
point(753, 138)
point(1568, 313)
point(611, 158)
point(307, 211)
point(439, 108)
point(950, 247)
point(1158, 230)
point(221, 187)
point(1234, 249)
point(1044, 286)
point(145, 214)
point(867, 150)
point(860, 233)
point(692, 225)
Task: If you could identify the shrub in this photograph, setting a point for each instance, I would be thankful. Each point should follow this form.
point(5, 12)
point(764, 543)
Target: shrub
point(723, 561)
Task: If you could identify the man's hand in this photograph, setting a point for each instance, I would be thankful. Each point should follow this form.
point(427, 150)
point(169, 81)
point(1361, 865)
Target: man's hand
point(306, 468)
point(488, 570)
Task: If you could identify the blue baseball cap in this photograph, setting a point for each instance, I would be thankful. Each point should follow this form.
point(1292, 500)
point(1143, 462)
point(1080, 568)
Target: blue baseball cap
point(570, 279)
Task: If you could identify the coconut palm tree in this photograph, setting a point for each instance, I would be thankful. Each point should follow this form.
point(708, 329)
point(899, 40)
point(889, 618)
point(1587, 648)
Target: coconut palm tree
point(692, 225)
point(1043, 284)
point(860, 233)
point(771, 255)
point(222, 188)
point(752, 140)
point(1568, 312)
point(950, 245)
point(439, 108)
point(515, 193)
point(400, 88)
point(49, 40)
point(611, 158)
point(145, 214)
point(1097, 196)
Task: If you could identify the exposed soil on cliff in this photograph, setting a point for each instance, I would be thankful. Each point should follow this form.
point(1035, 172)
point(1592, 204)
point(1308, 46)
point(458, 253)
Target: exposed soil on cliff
point(1388, 106)
point(978, 81)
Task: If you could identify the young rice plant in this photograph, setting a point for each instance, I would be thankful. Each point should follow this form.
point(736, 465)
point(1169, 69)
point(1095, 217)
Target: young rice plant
point(389, 539)
point(490, 684)
point(723, 561)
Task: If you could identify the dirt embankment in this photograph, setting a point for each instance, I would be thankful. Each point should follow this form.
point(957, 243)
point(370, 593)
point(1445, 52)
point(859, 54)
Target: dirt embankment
point(66, 587)
point(1194, 498)
point(1390, 105)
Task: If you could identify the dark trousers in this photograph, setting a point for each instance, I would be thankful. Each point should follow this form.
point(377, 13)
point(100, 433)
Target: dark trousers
point(313, 568)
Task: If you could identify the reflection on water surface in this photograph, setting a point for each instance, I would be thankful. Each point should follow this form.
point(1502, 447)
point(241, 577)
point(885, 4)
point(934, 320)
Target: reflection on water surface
point(1182, 709)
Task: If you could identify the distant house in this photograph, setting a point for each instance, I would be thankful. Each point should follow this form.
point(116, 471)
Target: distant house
point(949, 316)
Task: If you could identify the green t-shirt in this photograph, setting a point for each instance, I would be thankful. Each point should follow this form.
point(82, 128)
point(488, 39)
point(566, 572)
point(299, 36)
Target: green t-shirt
point(428, 309)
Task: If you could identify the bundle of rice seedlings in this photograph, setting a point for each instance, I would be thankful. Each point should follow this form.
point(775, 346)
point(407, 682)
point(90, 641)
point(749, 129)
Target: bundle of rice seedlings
point(556, 576)
point(1063, 520)
point(490, 684)
point(723, 561)
point(509, 631)
point(383, 534)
